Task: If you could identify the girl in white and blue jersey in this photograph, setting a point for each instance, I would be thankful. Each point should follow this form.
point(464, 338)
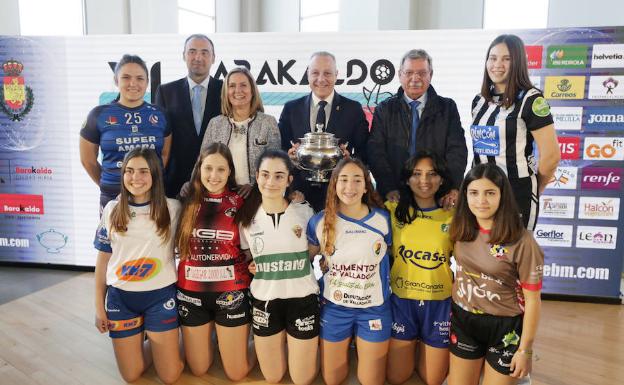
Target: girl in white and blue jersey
point(353, 235)
point(135, 273)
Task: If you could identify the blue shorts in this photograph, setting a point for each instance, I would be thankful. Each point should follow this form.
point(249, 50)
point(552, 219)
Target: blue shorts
point(132, 312)
point(427, 321)
point(372, 324)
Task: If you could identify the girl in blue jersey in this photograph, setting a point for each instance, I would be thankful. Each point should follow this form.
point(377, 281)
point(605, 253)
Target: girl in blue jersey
point(121, 126)
point(135, 272)
point(421, 276)
point(353, 235)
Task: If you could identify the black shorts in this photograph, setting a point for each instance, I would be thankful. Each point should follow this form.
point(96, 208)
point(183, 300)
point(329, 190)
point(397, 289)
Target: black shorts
point(525, 191)
point(299, 316)
point(228, 308)
point(475, 336)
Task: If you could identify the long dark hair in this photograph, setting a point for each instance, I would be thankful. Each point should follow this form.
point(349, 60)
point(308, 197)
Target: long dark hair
point(507, 226)
point(159, 212)
point(370, 198)
point(245, 215)
point(196, 194)
point(407, 209)
point(518, 71)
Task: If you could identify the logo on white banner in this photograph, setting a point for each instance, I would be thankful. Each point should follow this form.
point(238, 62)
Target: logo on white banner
point(564, 178)
point(608, 56)
point(553, 235)
point(599, 208)
point(567, 118)
point(606, 87)
point(599, 148)
point(594, 237)
point(553, 206)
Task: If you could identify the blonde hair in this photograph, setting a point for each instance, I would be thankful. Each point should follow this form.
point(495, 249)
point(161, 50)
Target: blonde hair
point(256, 101)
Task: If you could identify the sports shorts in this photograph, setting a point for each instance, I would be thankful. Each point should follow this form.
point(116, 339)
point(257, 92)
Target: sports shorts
point(298, 316)
point(228, 308)
point(373, 324)
point(475, 336)
point(427, 321)
point(132, 312)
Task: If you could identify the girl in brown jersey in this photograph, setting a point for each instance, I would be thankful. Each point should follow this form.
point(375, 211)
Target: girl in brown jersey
point(496, 293)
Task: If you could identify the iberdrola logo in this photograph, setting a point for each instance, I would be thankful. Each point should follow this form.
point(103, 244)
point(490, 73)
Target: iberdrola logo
point(16, 98)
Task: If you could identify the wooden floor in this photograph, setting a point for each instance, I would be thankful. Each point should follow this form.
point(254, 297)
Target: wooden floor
point(48, 337)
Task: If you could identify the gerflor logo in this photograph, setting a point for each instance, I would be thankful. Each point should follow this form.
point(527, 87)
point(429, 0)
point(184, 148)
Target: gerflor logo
point(553, 235)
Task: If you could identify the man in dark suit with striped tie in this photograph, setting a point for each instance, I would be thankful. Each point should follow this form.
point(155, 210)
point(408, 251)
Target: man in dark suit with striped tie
point(323, 110)
point(190, 103)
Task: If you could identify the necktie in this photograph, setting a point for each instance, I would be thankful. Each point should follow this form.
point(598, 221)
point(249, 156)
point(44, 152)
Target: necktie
point(320, 116)
point(196, 103)
point(415, 119)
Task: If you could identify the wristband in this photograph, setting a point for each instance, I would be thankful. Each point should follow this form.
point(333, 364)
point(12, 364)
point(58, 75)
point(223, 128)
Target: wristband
point(527, 352)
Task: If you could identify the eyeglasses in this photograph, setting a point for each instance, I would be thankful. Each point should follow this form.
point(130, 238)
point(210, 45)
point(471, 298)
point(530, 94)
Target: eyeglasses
point(420, 74)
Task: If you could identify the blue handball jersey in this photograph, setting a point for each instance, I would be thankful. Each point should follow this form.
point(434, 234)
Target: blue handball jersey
point(118, 129)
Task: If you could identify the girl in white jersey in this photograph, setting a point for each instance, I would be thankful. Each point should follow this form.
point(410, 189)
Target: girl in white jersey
point(353, 235)
point(285, 310)
point(135, 272)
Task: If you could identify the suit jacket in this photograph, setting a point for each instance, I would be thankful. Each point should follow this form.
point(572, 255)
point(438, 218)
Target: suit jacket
point(175, 99)
point(346, 121)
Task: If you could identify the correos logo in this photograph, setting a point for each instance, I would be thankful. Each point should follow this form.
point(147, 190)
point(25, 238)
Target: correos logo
point(604, 148)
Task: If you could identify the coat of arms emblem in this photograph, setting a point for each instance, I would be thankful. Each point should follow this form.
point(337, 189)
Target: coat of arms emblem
point(16, 98)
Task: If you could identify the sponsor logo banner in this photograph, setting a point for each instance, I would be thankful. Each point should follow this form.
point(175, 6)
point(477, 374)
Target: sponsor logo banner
point(608, 56)
point(21, 204)
point(534, 56)
point(604, 118)
point(596, 237)
point(564, 178)
point(606, 208)
point(606, 87)
point(553, 235)
point(554, 206)
point(601, 178)
point(569, 147)
point(567, 118)
point(564, 87)
point(566, 56)
point(598, 148)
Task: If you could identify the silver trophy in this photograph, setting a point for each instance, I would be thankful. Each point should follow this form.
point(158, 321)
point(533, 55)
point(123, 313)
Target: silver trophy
point(318, 154)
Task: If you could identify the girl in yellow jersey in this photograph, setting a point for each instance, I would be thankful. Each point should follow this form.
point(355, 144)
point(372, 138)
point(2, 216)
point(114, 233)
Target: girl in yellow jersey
point(421, 276)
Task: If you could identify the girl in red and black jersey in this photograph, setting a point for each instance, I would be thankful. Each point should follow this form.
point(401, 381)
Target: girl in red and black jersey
point(213, 278)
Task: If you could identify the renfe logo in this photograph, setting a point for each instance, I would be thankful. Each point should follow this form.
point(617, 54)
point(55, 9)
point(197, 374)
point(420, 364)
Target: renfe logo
point(607, 208)
point(534, 55)
point(569, 146)
point(21, 204)
point(601, 178)
point(604, 148)
point(595, 237)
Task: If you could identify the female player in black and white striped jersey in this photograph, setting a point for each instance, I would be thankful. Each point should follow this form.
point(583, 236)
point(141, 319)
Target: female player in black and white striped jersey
point(508, 116)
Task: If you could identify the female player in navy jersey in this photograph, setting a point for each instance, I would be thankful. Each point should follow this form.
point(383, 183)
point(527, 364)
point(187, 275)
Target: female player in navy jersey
point(213, 278)
point(496, 292)
point(135, 271)
point(508, 116)
point(353, 235)
point(285, 293)
point(121, 126)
